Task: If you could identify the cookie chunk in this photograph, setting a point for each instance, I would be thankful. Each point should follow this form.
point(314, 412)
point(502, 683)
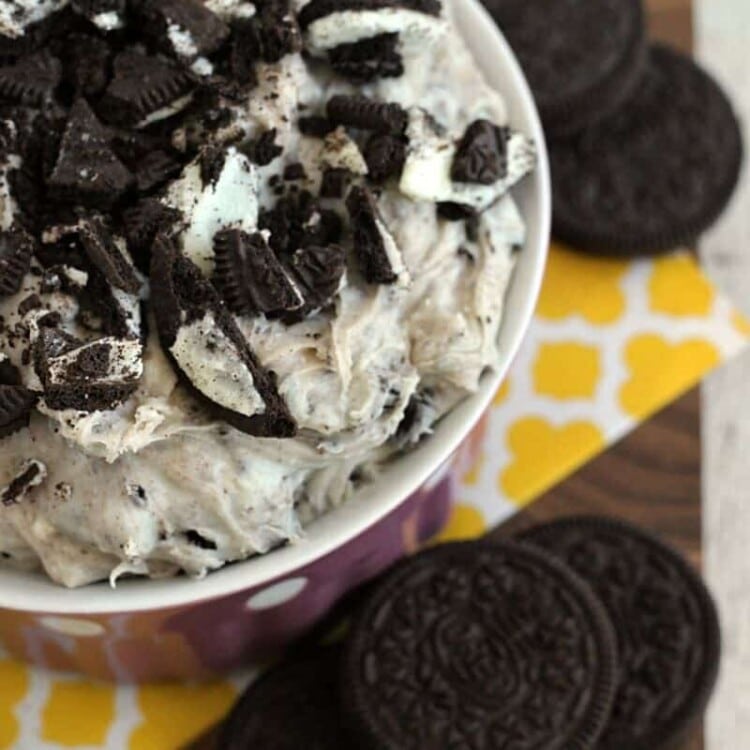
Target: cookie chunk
point(87, 170)
point(205, 344)
point(250, 277)
point(379, 257)
point(16, 250)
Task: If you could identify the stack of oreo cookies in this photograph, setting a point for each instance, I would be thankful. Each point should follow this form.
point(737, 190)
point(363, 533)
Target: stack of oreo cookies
point(582, 633)
point(645, 148)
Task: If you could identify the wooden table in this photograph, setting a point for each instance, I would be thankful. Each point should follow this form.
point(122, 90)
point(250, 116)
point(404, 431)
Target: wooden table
point(653, 476)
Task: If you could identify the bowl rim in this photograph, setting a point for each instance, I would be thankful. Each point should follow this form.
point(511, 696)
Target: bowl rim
point(33, 592)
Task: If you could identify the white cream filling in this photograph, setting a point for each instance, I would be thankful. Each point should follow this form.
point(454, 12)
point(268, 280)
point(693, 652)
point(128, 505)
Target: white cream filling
point(167, 110)
point(231, 201)
point(108, 21)
point(16, 15)
point(230, 9)
point(8, 206)
point(427, 171)
point(415, 29)
point(395, 258)
point(182, 41)
point(341, 152)
point(125, 361)
point(211, 362)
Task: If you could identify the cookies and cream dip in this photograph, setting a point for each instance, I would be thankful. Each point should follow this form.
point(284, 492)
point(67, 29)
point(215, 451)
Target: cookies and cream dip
point(248, 253)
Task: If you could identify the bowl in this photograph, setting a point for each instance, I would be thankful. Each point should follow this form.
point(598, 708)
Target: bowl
point(182, 628)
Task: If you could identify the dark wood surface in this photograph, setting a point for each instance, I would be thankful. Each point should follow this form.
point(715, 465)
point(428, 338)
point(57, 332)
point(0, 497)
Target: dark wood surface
point(652, 477)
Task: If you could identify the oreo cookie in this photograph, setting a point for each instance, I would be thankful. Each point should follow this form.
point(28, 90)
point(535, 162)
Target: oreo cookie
point(16, 251)
point(249, 276)
point(379, 257)
point(184, 28)
point(297, 220)
point(87, 171)
point(480, 645)
point(654, 175)
point(268, 36)
point(665, 621)
point(481, 156)
point(16, 403)
point(104, 252)
point(385, 155)
point(31, 474)
point(264, 149)
point(204, 342)
point(317, 9)
point(361, 112)
point(86, 376)
point(295, 704)
point(86, 65)
point(31, 80)
point(143, 85)
point(582, 59)
point(319, 273)
point(142, 222)
point(368, 59)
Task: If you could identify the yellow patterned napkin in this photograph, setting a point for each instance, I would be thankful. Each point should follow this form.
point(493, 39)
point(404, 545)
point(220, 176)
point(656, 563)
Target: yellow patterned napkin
point(612, 342)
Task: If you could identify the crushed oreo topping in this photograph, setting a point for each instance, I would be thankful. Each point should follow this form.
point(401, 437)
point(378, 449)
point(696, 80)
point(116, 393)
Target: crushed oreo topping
point(142, 223)
point(156, 168)
point(317, 9)
point(249, 276)
point(87, 170)
point(31, 80)
point(184, 28)
point(385, 156)
point(16, 403)
point(315, 126)
point(268, 36)
point(319, 272)
point(263, 150)
point(367, 114)
point(334, 182)
point(86, 66)
point(294, 171)
point(142, 85)
point(198, 540)
point(86, 376)
point(16, 251)
point(373, 245)
point(368, 59)
point(103, 251)
point(31, 475)
point(181, 296)
point(297, 220)
point(481, 156)
point(455, 211)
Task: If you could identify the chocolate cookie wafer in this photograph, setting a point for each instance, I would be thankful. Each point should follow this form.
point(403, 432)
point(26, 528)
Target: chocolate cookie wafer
point(206, 345)
point(480, 645)
point(294, 705)
point(655, 174)
point(582, 59)
point(666, 625)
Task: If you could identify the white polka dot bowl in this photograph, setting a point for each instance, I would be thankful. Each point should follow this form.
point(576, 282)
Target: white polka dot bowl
point(181, 628)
